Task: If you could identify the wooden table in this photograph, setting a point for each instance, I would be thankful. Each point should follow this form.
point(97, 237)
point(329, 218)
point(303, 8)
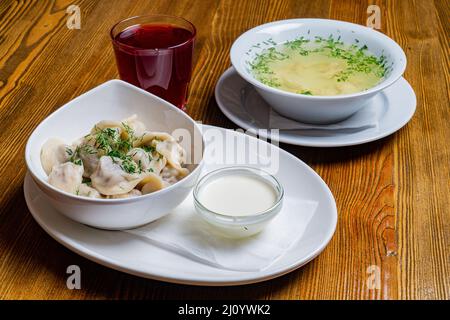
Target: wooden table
point(392, 195)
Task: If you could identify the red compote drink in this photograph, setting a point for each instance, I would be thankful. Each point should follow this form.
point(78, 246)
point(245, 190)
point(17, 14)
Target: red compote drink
point(155, 54)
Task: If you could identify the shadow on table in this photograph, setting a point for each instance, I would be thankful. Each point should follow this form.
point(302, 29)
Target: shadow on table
point(32, 259)
point(336, 154)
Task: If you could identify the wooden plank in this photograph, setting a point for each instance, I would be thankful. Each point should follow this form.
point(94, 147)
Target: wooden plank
point(392, 194)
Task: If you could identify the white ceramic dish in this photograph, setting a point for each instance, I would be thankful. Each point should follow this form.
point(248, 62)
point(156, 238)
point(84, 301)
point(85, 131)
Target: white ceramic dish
point(240, 102)
point(239, 226)
point(125, 252)
point(114, 100)
point(315, 109)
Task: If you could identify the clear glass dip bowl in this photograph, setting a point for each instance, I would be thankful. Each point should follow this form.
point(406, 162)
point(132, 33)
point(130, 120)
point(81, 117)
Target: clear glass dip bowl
point(241, 226)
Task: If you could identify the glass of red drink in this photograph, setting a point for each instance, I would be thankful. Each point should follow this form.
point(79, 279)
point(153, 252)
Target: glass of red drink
point(155, 53)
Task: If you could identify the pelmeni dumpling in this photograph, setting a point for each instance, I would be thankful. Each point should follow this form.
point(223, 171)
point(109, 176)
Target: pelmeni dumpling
point(166, 146)
point(151, 183)
point(90, 162)
point(171, 175)
point(137, 126)
point(88, 153)
point(110, 179)
point(148, 161)
point(117, 159)
point(158, 163)
point(86, 191)
point(141, 157)
point(53, 152)
point(148, 138)
point(130, 125)
point(133, 193)
point(104, 124)
point(174, 153)
point(66, 176)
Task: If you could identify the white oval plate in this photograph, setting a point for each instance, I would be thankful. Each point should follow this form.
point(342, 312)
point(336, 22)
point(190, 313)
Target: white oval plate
point(124, 252)
point(240, 102)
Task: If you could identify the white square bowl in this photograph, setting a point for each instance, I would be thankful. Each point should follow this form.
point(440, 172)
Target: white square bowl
point(115, 100)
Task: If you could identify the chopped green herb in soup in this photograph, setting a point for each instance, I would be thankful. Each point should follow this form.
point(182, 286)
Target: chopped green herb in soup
point(321, 67)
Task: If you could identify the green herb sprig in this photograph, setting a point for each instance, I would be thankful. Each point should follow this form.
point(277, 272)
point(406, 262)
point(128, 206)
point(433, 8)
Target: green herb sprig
point(356, 57)
point(111, 142)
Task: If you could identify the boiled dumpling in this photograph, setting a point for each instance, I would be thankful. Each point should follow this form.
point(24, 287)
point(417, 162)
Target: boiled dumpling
point(53, 152)
point(133, 193)
point(124, 127)
point(110, 179)
point(88, 154)
point(166, 146)
point(151, 183)
point(111, 131)
point(148, 161)
point(66, 176)
point(137, 126)
point(148, 137)
point(141, 157)
point(174, 153)
point(87, 191)
point(104, 124)
point(90, 162)
point(157, 163)
point(121, 159)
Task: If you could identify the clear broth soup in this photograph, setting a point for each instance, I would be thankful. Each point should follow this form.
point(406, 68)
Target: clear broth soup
point(322, 67)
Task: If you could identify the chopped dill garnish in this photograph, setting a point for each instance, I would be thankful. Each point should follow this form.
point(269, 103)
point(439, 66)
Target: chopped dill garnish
point(356, 59)
point(298, 46)
point(114, 143)
point(107, 139)
point(75, 155)
point(69, 151)
point(148, 148)
point(87, 181)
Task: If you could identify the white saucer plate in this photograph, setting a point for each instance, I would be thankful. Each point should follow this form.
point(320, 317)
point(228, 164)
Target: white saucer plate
point(124, 252)
point(240, 102)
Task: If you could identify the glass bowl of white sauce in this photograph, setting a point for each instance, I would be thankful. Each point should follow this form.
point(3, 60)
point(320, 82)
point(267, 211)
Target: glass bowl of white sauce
point(238, 201)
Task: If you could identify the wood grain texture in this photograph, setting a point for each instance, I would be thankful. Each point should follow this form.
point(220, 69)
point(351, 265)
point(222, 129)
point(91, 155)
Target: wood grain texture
point(392, 194)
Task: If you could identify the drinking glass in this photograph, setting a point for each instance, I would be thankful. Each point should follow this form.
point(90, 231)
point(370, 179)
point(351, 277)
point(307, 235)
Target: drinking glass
point(154, 52)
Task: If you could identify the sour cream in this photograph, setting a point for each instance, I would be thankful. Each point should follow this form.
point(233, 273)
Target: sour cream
point(238, 202)
point(238, 195)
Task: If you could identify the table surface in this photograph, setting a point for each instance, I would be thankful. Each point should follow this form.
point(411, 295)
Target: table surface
point(392, 195)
